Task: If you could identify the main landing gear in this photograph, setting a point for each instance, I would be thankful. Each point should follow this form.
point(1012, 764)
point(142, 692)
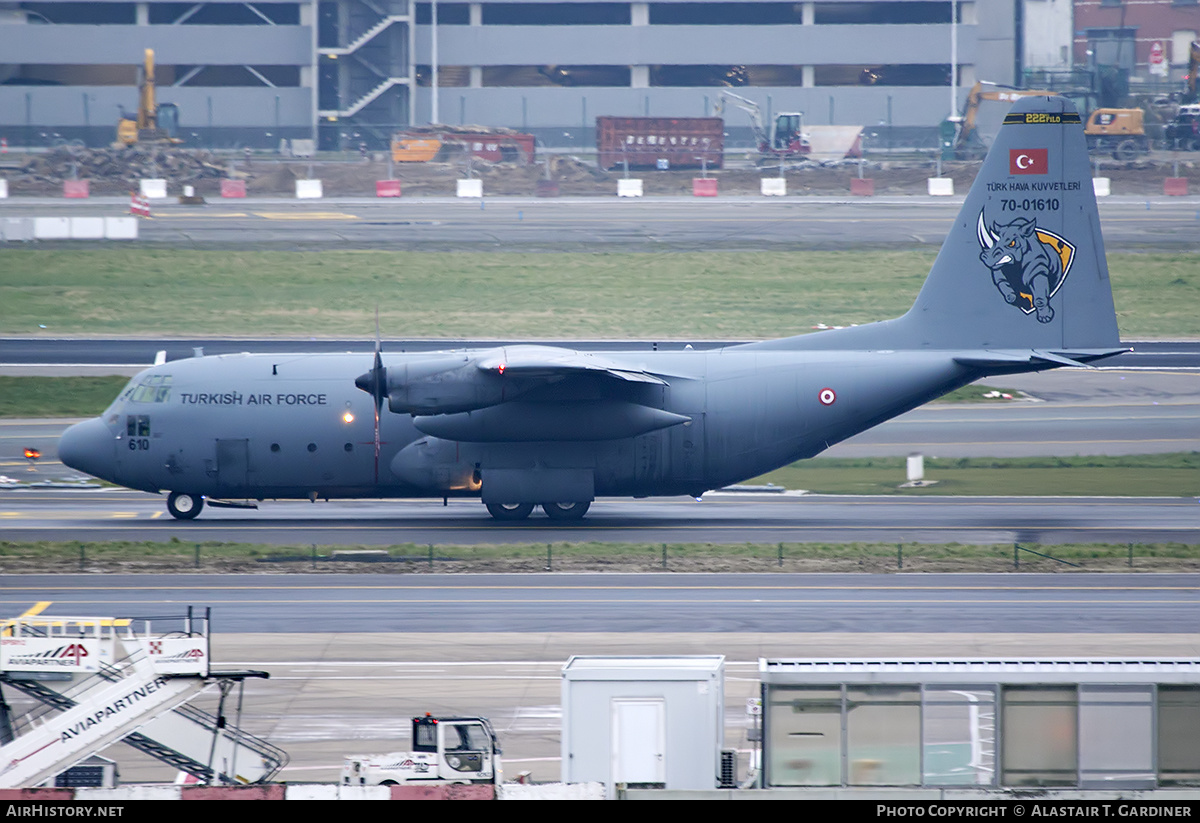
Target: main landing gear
point(184, 506)
point(555, 511)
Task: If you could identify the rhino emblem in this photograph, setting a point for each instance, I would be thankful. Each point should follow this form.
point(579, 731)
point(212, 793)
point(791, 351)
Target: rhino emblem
point(1028, 264)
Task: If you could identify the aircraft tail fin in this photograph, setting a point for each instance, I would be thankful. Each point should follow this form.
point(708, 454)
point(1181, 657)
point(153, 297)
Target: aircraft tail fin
point(1023, 266)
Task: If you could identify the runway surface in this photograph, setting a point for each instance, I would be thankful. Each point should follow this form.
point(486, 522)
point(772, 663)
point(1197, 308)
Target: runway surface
point(564, 224)
point(655, 603)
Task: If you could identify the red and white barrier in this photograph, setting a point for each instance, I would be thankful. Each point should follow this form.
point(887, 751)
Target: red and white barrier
point(1175, 186)
point(75, 188)
point(862, 186)
point(233, 188)
point(387, 188)
point(139, 204)
point(704, 187)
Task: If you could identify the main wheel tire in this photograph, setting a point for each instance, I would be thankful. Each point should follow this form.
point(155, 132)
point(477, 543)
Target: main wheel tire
point(184, 506)
point(567, 511)
point(510, 511)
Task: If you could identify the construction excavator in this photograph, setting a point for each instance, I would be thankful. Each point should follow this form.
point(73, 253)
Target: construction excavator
point(1119, 132)
point(154, 123)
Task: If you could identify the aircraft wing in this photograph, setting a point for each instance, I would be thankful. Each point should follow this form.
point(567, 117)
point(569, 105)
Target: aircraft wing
point(550, 362)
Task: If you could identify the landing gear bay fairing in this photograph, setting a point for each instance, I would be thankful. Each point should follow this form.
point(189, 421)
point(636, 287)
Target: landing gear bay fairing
point(1021, 284)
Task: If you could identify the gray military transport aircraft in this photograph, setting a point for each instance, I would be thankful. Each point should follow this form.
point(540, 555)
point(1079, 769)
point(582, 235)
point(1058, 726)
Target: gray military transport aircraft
point(1021, 284)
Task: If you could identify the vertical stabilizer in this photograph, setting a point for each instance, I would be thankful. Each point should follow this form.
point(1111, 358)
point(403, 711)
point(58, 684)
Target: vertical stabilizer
point(1023, 266)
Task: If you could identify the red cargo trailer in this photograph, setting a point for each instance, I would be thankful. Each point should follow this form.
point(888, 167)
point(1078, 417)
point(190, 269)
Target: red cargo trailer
point(661, 142)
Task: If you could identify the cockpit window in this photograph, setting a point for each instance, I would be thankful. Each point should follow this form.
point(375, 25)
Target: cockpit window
point(155, 388)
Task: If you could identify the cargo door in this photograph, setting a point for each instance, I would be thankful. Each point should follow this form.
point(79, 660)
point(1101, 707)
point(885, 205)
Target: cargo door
point(233, 466)
point(687, 453)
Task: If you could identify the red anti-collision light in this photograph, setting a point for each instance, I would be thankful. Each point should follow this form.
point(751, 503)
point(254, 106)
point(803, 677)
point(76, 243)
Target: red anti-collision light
point(32, 454)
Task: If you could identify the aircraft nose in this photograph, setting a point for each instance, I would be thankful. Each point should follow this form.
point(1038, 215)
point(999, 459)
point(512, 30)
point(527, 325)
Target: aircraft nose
point(88, 447)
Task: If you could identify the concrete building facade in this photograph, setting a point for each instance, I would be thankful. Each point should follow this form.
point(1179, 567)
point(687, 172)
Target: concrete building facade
point(350, 71)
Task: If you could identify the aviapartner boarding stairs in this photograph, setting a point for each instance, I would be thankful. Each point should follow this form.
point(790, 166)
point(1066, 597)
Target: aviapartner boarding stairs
point(101, 682)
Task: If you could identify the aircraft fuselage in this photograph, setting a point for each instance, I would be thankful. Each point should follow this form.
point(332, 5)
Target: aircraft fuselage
point(272, 426)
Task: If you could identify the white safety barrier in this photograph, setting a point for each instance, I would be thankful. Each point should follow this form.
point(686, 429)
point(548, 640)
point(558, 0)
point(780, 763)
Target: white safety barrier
point(308, 189)
point(774, 187)
point(470, 188)
point(1102, 186)
point(3, 188)
point(336, 792)
point(52, 228)
point(629, 188)
point(16, 229)
point(24, 229)
point(153, 187)
point(940, 186)
point(87, 228)
point(120, 228)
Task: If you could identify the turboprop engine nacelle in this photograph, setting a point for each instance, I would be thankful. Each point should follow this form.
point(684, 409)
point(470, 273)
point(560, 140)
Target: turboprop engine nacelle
point(444, 385)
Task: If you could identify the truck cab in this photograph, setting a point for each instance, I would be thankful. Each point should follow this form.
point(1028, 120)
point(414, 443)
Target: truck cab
point(445, 750)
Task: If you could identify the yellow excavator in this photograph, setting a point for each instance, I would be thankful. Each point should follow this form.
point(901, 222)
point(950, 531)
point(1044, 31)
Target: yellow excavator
point(154, 123)
point(1120, 132)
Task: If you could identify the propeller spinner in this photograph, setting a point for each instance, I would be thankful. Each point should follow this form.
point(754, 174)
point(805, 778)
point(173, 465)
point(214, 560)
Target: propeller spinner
point(374, 383)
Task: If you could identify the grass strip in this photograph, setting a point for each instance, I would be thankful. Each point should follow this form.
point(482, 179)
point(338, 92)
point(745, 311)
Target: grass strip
point(665, 295)
point(181, 555)
point(58, 396)
point(1151, 475)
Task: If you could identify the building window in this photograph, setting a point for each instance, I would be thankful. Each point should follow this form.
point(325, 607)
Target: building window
point(959, 733)
point(1040, 734)
point(724, 14)
point(556, 14)
point(883, 735)
point(566, 76)
point(1178, 731)
point(804, 736)
point(449, 14)
point(934, 74)
point(854, 14)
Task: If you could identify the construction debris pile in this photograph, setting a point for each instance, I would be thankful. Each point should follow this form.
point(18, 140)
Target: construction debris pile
point(117, 172)
point(113, 171)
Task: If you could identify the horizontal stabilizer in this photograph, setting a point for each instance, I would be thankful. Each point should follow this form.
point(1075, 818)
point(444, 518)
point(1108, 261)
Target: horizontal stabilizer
point(1007, 359)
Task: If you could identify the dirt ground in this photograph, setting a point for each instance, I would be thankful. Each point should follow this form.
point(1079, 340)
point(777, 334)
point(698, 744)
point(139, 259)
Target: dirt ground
point(115, 172)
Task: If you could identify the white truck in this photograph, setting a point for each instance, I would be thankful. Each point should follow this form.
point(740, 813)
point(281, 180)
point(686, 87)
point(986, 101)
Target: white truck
point(445, 750)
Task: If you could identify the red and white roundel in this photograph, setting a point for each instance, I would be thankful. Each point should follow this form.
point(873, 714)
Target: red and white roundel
point(827, 396)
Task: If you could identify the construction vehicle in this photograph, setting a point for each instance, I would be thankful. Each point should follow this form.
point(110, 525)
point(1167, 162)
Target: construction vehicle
point(154, 123)
point(1183, 132)
point(1120, 132)
point(422, 144)
point(445, 750)
point(785, 141)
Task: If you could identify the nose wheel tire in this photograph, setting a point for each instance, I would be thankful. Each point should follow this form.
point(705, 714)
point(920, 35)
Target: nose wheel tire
point(566, 511)
point(184, 506)
point(510, 511)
